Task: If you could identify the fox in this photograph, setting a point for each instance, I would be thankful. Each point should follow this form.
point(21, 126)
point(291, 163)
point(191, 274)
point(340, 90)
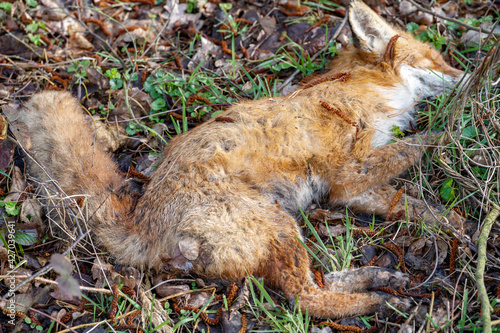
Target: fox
point(224, 201)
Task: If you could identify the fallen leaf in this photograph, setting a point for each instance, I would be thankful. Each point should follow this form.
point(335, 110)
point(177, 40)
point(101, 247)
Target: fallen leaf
point(3, 128)
point(26, 237)
point(417, 246)
point(165, 290)
point(61, 264)
point(6, 153)
point(27, 287)
point(17, 186)
point(69, 286)
point(31, 211)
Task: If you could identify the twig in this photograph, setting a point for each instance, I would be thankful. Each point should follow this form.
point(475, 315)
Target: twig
point(335, 35)
point(48, 281)
point(453, 20)
point(481, 263)
point(431, 308)
point(96, 324)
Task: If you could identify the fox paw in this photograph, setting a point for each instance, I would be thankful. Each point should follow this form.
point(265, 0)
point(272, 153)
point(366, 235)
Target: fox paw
point(366, 278)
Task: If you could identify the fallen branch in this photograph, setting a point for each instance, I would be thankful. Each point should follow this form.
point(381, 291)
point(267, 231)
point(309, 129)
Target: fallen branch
point(481, 263)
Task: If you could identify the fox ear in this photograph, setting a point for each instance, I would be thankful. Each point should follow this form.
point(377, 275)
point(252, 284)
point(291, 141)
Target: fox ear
point(370, 31)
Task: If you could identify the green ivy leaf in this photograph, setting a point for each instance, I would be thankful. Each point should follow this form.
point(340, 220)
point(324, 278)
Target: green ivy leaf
point(131, 129)
point(158, 104)
point(12, 208)
point(469, 132)
point(6, 6)
point(32, 27)
point(116, 83)
point(411, 27)
point(447, 191)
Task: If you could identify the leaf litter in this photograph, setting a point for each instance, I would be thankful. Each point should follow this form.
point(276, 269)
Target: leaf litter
point(183, 63)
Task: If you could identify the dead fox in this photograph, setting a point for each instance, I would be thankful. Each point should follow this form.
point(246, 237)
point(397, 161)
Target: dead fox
point(222, 203)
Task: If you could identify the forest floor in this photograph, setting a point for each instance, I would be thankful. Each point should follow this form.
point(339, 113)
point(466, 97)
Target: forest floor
point(149, 70)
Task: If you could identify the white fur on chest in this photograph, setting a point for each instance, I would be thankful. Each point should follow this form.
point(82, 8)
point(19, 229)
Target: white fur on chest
point(415, 84)
point(402, 100)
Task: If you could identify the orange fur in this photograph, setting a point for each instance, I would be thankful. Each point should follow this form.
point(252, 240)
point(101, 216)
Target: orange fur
point(232, 189)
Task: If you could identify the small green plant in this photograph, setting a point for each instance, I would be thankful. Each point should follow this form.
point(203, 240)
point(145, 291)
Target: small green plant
point(6, 6)
point(342, 245)
point(232, 28)
point(28, 321)
point(78, 69)
point(281, 319)
point(299, 59)
point(332, 49)
point(31, 30)
point(396, 131)
point(447, 190)
point(35, 25)
point(132, 128)
point(192, 6)
point(115, 78)
point(12, 208)
point(430, 35)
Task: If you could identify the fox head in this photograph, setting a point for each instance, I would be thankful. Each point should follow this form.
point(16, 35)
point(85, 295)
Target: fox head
point(394, 68)
point(419, 67)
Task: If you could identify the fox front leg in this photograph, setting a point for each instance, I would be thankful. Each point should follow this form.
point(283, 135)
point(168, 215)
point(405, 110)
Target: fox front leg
point(379, 201)
point(367, 168)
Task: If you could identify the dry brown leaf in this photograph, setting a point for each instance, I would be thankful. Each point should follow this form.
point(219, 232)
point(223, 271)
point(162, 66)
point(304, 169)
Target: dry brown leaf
point(18, 128)
point(102, 272)
point(110, 136)
point(417, 246)
point(175, 13)
point(4, 254)
point(31, 211)
point(78, 43)
point(27, 287)
point(3, 128)
point(197, 300)
point(17, 186)
point(165, 290)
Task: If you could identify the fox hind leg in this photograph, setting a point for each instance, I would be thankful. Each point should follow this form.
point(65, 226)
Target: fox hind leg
point(365, 278)
point(288, 269)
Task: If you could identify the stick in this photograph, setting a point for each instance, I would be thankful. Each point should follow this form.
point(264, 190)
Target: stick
point(481, 263)
point(48, 281)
